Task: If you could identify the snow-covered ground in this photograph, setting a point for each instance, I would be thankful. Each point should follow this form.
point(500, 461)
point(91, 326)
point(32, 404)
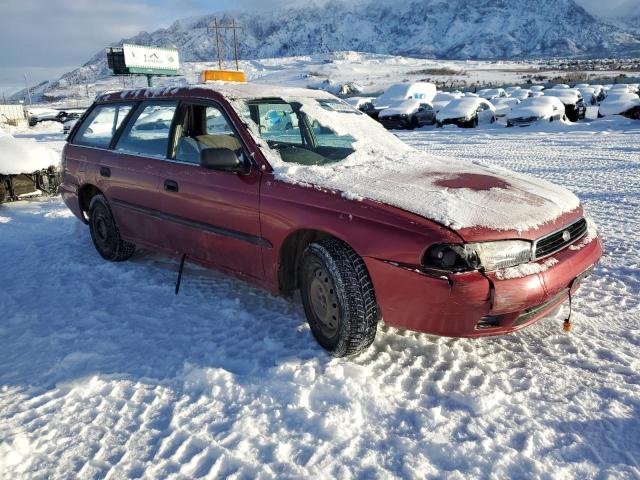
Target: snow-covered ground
point(104, 373)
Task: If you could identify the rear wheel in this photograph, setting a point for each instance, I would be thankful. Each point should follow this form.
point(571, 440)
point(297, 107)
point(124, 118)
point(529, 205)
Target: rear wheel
point(338, 297)
point(105, 234)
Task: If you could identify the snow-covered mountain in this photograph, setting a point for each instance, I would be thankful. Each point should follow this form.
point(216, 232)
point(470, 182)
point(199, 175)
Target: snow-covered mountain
point(452, 29)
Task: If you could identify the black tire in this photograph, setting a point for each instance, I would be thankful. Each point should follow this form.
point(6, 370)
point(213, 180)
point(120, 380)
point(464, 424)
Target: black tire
point(338, 297)
point(475, 123)
point(413, 124)
point(438, 124)
point(105, 234)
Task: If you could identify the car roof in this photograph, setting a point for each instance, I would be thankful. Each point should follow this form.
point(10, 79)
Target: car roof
point(230, 90)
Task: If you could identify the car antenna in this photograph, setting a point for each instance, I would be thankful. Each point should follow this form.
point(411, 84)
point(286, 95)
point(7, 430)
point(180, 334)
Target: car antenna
point(182, 259)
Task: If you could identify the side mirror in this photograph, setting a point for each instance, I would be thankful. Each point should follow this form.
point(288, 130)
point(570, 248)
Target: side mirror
point(220, 159)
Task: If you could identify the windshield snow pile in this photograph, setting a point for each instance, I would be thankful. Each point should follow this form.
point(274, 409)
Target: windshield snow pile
point(384, 169)
point(19, 155)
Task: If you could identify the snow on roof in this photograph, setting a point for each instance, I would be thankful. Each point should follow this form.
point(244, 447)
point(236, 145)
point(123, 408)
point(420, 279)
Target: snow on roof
point(566, 95)
point(231, 90)
point(402, 91)
point(20, 155)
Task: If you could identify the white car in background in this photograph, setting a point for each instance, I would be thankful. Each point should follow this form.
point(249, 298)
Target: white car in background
point(399, 92)
point(521, 94)
point(536, 109)
point(560, 86)
point(511, 90)
point(503, 105)
point(491, 93)
point(620, 103)
point(536, 88)
point(442, 99)
point(574, 105)
point(466, 112)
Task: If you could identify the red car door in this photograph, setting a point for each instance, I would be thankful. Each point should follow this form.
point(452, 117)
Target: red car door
point(211, 216)
point(134, 178)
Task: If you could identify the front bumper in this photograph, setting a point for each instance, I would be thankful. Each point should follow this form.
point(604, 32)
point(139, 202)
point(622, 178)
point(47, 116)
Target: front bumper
point(394, 122)
point(474, 304)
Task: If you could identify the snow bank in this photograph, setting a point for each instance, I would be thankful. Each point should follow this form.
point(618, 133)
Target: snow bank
point(18, 155)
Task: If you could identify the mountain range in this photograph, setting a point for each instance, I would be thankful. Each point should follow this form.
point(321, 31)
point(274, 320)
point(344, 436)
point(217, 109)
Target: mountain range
point(451, 29)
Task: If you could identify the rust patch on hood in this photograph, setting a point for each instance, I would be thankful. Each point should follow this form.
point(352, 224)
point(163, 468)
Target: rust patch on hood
point(473, 181)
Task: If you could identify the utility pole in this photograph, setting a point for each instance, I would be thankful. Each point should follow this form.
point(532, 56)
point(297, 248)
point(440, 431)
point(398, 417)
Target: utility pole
point(235, 42)
point(26, 84)
point(232, 27)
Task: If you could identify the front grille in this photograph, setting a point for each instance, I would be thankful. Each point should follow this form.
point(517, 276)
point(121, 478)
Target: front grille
point(558, 240)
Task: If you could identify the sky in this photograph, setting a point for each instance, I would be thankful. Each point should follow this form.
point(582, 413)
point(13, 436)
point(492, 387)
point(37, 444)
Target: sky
point(46, 38)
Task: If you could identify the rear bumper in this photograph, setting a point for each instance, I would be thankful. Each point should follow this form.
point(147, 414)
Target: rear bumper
point(474, 304)
point(69, 193)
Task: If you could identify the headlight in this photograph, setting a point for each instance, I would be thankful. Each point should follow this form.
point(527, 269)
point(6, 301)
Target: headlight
point(485, 256)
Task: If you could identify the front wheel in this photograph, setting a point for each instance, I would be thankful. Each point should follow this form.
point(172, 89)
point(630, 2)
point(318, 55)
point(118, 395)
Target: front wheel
point(105, 234)
point(338, 297)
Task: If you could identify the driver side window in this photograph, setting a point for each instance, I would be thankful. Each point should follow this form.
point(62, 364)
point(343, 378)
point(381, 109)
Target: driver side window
point(203, 127)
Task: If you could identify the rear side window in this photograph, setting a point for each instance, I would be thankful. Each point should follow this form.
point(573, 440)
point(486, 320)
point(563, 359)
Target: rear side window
point(148, 132)
point(101, 124)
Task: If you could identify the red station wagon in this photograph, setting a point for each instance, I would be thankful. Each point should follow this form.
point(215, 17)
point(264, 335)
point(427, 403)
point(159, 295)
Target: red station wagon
point(294, 189)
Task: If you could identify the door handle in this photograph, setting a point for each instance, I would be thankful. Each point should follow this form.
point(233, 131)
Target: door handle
point(105, 172)
point(171, 185)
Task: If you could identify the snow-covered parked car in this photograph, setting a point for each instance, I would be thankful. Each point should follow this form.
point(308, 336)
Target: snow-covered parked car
point(536, 88)
point(70, 120)
point(509, 90)
point(536, 109)
point(403, 91)
point(620, 103)
point(575, 108)
point(491, 93)
point(363, 225)
point(523, 93)
point(408, 114)
point(466, 112)
point(442, 99)
point(503, 105)
point(361, 103)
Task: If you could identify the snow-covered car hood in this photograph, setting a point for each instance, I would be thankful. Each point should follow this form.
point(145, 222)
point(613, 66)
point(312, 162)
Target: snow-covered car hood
point(406, 107)
point(616, 104)
point(454, 193)
point(460, 108)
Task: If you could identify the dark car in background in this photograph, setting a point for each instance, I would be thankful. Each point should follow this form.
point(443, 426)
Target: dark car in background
point(408, 114)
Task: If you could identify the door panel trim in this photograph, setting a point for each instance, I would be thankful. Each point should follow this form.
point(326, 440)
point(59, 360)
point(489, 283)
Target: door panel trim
point(245, 237)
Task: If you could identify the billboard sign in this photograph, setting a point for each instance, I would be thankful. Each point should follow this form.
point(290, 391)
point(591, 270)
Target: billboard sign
point(151, 60)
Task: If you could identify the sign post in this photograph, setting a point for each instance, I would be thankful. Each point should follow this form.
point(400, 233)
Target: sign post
point(143, 60)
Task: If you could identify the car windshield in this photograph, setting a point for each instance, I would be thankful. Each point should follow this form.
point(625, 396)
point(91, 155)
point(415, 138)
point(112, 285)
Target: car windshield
point(316, 131)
